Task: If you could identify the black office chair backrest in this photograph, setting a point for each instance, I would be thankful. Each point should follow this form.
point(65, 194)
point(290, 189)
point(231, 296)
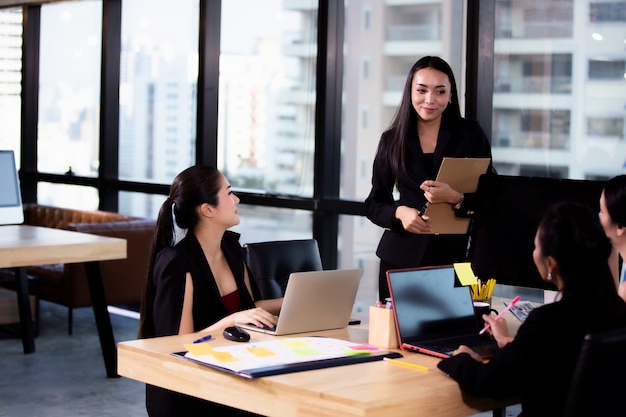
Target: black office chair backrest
point(599, 380)
point(271, 263)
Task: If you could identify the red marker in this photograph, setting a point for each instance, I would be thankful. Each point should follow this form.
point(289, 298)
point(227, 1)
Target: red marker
point(487, 326)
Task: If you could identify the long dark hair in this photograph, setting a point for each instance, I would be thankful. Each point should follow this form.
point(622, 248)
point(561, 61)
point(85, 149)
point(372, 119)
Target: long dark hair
point(572, 234)
point(615, 199)
point(405, 118)
point(194, 186)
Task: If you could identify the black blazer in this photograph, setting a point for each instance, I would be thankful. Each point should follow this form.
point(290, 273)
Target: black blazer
point(538, 364)
point(462, 138)
point(170, 268)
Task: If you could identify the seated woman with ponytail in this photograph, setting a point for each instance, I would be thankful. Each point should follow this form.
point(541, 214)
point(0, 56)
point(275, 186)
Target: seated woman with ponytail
point(198, 280)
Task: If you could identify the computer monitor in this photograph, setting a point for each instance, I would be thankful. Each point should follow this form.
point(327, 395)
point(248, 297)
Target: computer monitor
point(11, 211)
point(503, 230)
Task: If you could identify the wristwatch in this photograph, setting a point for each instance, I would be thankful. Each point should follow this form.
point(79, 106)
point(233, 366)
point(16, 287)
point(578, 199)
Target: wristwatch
point(460, 203)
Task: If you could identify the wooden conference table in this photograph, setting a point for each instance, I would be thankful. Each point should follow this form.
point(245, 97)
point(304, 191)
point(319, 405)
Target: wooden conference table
point(367, 389)
point(22, 245)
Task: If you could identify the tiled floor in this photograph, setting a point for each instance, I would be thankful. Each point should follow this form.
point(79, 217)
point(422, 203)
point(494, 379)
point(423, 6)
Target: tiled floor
point(65, 377)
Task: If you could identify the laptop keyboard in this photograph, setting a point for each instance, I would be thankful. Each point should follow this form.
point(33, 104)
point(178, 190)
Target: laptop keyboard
point(264, 326)
point(449, 345)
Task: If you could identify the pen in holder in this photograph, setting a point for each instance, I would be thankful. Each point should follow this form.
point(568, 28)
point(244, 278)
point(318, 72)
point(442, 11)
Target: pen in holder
point(382, 328)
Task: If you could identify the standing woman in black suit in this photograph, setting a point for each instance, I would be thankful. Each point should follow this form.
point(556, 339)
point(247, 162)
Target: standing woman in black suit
point(427, 127)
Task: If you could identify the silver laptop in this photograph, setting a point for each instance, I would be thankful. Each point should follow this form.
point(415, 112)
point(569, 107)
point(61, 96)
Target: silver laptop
point(11, 211)
point(315, 300)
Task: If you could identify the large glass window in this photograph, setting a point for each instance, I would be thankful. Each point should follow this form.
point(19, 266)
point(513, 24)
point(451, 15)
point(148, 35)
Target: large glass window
point(66, 195)
point(262, 224)
point(69, 88)
point(159, 78)
point(69, 97)
point(10, 78)
point(266, 115)
point(143, 205)
point(558, 90)
point(267, 95)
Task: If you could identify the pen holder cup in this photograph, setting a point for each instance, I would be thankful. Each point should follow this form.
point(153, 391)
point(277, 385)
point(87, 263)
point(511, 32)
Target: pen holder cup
point(482, 300)
point(382, 328)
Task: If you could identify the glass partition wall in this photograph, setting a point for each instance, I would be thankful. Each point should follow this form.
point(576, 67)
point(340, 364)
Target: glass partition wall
point(289, 99)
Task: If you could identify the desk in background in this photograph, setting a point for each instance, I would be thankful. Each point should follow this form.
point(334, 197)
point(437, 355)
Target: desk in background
point(22, 245)
point(368, 389)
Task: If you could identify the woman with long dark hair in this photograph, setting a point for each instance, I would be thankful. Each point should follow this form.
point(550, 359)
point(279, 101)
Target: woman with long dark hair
point(571, 252)
point(427, 127)
point(198, 279)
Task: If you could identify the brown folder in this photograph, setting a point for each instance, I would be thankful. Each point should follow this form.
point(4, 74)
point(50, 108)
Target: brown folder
point(461, 174)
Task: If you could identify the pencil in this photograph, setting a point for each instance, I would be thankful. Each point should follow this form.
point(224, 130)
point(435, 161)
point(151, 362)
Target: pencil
point(406, 364)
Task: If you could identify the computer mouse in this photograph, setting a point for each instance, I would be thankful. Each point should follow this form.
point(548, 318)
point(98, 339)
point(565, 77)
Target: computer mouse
point(236, 334)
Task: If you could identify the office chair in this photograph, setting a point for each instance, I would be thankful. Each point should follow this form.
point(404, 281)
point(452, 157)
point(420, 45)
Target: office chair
point(271, 263)
point(599, 379)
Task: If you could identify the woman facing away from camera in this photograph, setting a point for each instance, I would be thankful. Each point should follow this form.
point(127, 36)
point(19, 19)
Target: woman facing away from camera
point(571, 252)
point(613, 218)
point(427, 127)
point(198, 280)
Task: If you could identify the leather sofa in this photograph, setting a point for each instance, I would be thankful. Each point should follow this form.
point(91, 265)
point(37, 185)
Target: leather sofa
point(66, 284)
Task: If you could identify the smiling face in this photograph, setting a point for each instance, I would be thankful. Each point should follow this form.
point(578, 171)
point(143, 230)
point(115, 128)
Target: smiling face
point(430, 94)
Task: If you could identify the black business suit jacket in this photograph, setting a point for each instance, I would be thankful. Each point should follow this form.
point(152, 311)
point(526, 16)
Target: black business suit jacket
point(538, 364)
point(461, 139)
point(169, 278)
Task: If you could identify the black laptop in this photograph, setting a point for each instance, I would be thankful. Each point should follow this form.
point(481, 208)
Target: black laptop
point(432, 315)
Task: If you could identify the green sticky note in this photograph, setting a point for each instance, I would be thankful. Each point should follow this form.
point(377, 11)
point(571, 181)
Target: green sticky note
point(357, 352)
point(464, 272)
point(306, 352)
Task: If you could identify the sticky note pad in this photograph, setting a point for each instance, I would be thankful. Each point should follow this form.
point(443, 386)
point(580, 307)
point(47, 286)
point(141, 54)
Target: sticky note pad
point(306, 352)
point(199, 348)
point(365, 346)
point(464, 272)
point(296, 344)
point(356, 352)
point(224, 356)
point(261, 352)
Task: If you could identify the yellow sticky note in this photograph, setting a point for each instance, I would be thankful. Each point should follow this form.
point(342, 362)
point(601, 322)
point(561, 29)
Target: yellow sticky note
point(295, 343)
point(261, 351)
point(224, 356)
point(464, 272)
point(199, 348)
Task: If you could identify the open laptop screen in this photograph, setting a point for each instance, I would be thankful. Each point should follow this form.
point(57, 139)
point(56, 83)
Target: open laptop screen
point(428, 305)
point(11, 211)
